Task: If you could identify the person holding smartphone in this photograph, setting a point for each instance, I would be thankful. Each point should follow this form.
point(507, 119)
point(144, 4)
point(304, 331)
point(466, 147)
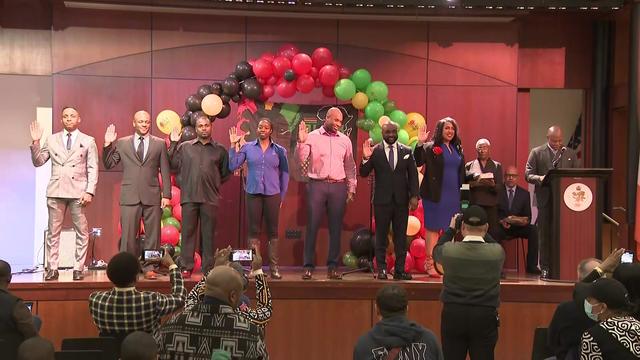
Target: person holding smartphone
point(266, 184)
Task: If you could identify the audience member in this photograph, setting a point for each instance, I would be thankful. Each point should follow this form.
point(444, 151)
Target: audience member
point(629, 276)
point(395, 336)
point(139, 345)
point(36, 348)
point(617, 334)
point(16, 322)
point(124, 309)
point(213, 324)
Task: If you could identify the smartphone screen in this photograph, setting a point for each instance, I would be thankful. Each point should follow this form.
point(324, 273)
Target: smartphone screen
point(152, 254)
point(29, 305)
point(627, 257)
point(241, 255)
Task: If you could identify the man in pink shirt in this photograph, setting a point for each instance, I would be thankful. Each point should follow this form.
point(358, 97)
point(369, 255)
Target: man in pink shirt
point(332, 183)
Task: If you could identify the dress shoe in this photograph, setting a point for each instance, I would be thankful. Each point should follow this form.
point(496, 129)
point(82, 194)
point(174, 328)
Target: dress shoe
point(307, 274)
point(186, 274)
point(402, 276)
point(150, 275)
point(382, 275)
point(332, 274)
point(275, 274)
point(77, 275)
point(533, 271)
point(51, 275)
point(544, 274)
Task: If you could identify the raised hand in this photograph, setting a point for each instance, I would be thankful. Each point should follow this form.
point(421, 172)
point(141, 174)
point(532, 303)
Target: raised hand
point(175, 134)
point(367, 148)
point(233, 135)
point(36, 131)
point(302, 132)
point(423, 134)
point(111, 135)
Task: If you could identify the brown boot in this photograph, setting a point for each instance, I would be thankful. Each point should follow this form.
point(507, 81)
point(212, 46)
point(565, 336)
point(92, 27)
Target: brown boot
point(431, 269)
point(273, 259)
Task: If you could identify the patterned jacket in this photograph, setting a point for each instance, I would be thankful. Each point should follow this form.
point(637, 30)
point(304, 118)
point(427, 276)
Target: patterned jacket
point(617, 338)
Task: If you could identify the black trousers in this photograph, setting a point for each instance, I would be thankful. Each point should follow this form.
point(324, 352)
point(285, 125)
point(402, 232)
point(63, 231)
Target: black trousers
point(205, 215)
point(261, 207)
point(544, 226)
point(529, 232)
point(397, 217)
point(469, 328)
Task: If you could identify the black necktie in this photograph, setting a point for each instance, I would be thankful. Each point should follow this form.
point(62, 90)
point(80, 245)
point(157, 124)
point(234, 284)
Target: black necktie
point(510, 197)
point(68, 141)
point(392, 157)
point(140, 150)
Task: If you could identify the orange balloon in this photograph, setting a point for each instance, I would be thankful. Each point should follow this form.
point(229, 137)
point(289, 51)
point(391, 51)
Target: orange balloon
point(211, 104)
point(167, 120)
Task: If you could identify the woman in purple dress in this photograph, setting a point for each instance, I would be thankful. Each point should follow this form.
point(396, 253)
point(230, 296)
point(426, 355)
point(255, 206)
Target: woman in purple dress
point(444, 173)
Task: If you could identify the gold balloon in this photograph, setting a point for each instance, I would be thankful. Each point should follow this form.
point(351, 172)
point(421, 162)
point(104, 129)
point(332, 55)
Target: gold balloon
point(384, 119)
point(211, 104)
point(414, 122)
point(167, 120)
point(413, 225)
point(359, 100)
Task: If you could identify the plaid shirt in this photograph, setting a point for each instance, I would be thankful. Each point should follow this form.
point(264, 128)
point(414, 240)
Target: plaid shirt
point(123, 310)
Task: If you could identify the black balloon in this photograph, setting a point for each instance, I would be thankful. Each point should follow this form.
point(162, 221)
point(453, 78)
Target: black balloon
point(244, 70)
point(185, 120)
point(289, 75)
point(226, 110)
point(203, 91)
point(361, 243)
point(194, 116)
point(225, 98)
point(233, 76)
point(252, 89)
point(216, 88)
point(230, 86)
point(235, 98)
point(364, 262)
point(188, 133)
point(212, 118)
point(193, 103)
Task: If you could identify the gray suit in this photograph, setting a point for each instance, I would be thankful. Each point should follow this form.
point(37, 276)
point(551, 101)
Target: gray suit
point(539, 163)
point(140, 191)
point(73, 173)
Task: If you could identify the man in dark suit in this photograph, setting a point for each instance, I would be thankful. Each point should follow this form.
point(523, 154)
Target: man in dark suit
point(543, 158)
point(396, 190)
point(142, 156)
point(514, 214)
point(484, 176)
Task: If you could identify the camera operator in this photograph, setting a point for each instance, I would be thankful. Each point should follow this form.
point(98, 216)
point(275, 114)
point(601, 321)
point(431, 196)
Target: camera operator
point(471, 287)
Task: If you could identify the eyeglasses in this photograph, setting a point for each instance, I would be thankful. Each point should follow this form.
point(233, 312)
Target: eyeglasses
point(510, 175)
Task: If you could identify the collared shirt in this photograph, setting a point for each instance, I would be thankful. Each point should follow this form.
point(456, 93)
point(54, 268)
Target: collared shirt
point(136, 142)
point(554, 152)
point(387, 149)
point(473, 238)
point(268, 170)
point(74, 136)
point(330, 157)
point(202, 168)
point(123, 310)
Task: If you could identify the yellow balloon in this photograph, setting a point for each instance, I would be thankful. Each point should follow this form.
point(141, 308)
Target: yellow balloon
point(384, 119)
point(413, 225)
point(211, 104)
point(167, 120)
point(360, 100)
point(414, 121)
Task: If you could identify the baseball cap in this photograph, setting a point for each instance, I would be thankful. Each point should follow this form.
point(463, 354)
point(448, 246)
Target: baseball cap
point(474, 215)
point(610, 292)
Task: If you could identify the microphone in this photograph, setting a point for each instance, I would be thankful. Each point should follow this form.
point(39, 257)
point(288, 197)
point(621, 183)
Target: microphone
point(556, 162)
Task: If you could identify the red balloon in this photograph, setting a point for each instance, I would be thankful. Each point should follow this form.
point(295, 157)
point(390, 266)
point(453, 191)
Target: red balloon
point(305, 84)
point(344, 71)
point(391, 262)
point(280, 65)
point(252, 61)
point(418, 248)
point(301, 64)
point(169, 235)
point(288, 51)
point(173, 180)
point(408, 263)
point(262, 68)
point(321, 57)
point(268, 91)
point(267, 56)
point(318, 84)
point(197, 261)
point(177, 212)
point(262, 80)
point(314, 72)
point(329, 75)
point(420, 264)
point(175, 196)
point(272, 80)
point(287, 89)
point(328, 91)
point(373, 225)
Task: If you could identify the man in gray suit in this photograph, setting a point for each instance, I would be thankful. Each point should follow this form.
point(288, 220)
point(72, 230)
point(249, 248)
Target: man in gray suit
point(142, 156)
point(74, 175)
point(543, 158)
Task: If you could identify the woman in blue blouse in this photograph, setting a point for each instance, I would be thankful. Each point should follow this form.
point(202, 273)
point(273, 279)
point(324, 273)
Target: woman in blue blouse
point(266, 185)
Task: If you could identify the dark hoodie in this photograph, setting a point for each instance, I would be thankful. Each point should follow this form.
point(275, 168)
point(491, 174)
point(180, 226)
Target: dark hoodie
point(417, 343)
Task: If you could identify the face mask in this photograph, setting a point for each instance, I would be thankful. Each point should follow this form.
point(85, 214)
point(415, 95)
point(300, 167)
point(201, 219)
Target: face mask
point(587, 309)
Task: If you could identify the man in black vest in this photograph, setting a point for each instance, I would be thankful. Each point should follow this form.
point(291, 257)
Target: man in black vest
point(16, 322)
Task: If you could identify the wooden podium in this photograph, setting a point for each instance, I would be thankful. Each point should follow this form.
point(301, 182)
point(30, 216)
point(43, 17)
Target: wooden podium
point(576, 206)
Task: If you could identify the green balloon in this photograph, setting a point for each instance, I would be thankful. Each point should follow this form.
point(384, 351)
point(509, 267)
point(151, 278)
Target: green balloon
point(171, 221)
point(344, 89)
point(365, 124)
point(167, 212)
point(389, 106)
point(376, 134)
point(361, 78)
point(377, 90)
point(374, 110)
point(178, 250)
point(349, 260)
point(398, 117)
point(403, 136)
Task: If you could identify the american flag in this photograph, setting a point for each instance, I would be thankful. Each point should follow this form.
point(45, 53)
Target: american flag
point(576, 139)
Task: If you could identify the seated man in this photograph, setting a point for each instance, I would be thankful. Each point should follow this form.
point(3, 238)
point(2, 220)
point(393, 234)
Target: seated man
point(514, 216)
point(139, 345)
point(16, 322)
point(395, 336)
point(262, 313)
point(214, 324)
point(124, 309)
